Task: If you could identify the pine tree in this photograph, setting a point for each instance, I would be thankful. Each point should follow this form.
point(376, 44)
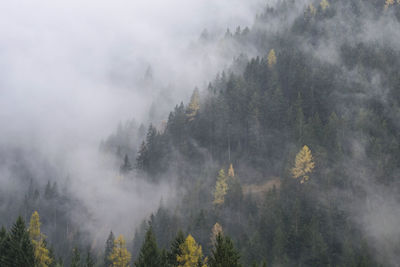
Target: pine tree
point(38, 241)
point(221, 187)
point(120, 257)
point(76, 258)
point(192, 254)
point(126, 166)
point(3, 238)
point(271, 58)
point(89, 262)
point(142, 157)
point(149, 255)
point(175, 249)
point(304, 165)
point(108, 249)
point(18, 248)
point(224, 254)
point(194, 105)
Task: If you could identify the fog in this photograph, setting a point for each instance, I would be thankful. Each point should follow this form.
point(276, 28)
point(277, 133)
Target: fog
point(71, 70)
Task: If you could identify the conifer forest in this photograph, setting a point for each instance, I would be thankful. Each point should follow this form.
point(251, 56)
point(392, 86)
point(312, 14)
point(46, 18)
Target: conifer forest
point(200, 133)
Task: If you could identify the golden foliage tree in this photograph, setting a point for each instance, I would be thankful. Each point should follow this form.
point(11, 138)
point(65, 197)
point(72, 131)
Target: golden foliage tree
point(120, 257)
point(38, 241)
point(324, 4)
point(231, 171)
point(312, 10)
point(271, 58)
point(221, 188)
point(389, 3)
point(191, 254)
point(215, 231)
point(194, 105)
point(304, 165)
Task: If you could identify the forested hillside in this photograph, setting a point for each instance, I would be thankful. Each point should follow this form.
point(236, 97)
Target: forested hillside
point(289, 157)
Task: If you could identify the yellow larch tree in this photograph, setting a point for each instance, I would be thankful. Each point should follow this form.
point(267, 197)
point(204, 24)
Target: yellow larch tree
point(388, 3)
point(194, 105)
point(120, 257)
point(312, 10)
point(221, 188)
point(215, 231)
point(231, 171)
point(271, 58)
point(38, 241)
point(324, 4)
point(191, 254)
point(304, 165)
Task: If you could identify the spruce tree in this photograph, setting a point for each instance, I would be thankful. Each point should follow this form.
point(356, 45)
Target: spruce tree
point(3, 237)
point(149, 255)
point(224, 254)
point(76, 258)
point(108, 249)
point(18, 249)
point(89, 262)
point(175, 249)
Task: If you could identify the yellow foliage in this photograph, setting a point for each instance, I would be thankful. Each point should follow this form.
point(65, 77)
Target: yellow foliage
point(304, 164)
point(194, 105)
point(191, 253)
point(217, 229)
point(41, 252)
point(324, 4)
point(120, 257)
point(221, 187)
point(231, 171)
point(271, 58)
point(312, 10)
point(389, 3)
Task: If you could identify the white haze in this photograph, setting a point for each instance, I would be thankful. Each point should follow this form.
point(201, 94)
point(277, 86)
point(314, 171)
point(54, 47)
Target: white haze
point(71, 70)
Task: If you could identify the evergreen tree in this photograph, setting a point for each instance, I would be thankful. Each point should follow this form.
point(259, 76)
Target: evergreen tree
point(126, 166)
point(175, 249)
point(3, 238)
point(142, 157)
point(89, 262)
point(18, 250)
point(149, 255)
point(224, 254)
point(76, 258)
point(108, 249)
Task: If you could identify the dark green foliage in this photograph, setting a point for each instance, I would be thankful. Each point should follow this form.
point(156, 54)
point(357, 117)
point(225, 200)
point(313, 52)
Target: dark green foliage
point(149, 255)
point(224, 254)
point(108, 249)
point(17, 249)
point(76, 258)
point(175, 249)
point(89, 261)
point(126, 166)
